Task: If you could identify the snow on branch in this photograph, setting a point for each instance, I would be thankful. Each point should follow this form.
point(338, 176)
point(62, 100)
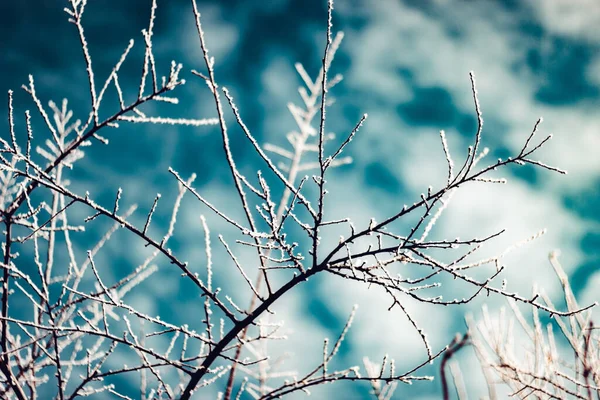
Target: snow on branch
point(71, 309)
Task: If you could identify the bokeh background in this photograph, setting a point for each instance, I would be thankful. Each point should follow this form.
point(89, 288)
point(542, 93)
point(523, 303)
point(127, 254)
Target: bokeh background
point(406, 64)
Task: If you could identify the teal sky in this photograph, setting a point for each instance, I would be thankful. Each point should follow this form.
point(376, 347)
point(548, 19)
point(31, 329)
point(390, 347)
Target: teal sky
point(406, 64)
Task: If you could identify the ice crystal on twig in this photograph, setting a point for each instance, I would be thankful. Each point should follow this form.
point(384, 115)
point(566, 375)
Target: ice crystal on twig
point(82, 317)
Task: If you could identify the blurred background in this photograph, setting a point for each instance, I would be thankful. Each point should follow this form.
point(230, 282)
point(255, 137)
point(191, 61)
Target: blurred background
point(406, 64)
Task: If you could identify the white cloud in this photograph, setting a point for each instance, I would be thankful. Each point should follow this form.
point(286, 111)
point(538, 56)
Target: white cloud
point(579, 19)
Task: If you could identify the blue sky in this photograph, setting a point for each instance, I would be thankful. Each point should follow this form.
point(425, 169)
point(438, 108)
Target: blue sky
point(406, 64)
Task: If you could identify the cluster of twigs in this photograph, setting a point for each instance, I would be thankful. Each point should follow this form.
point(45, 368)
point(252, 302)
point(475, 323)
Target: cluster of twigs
point(529, 356)
point(64, 345)
point(525, 356)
